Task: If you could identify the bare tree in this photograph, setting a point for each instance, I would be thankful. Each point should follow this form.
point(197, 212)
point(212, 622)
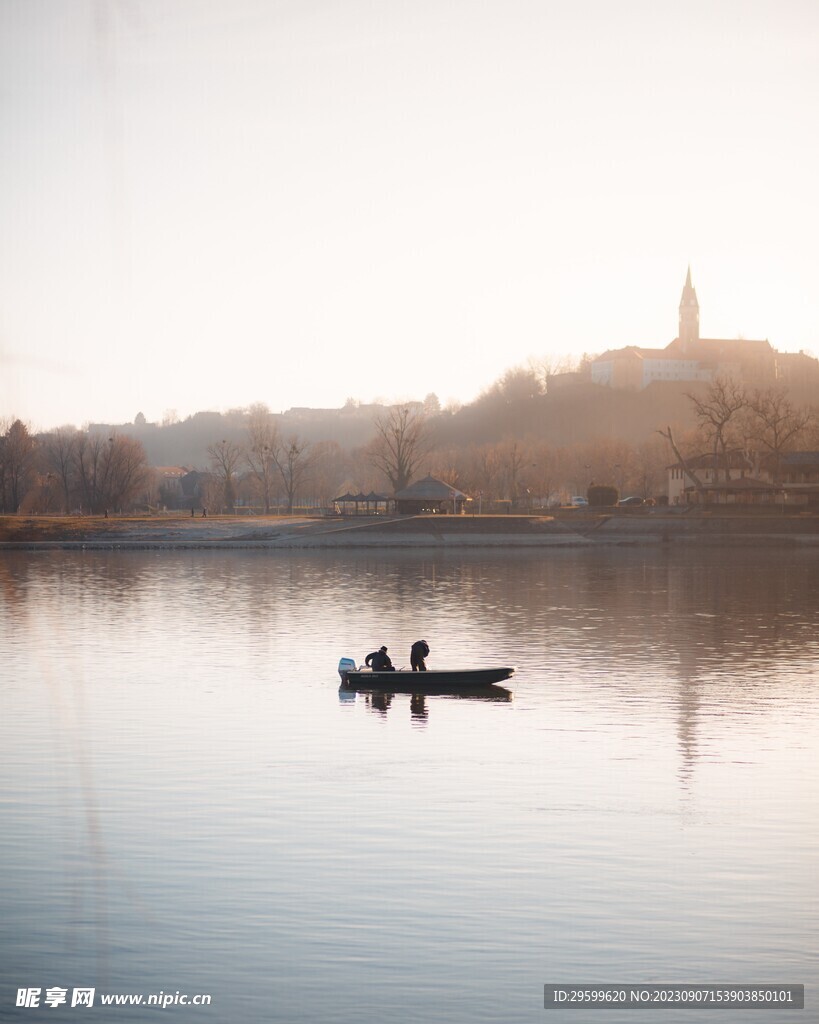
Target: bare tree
point(514, 458)
point(293, 460)
point(542, 471)
point(775, 423)
point(211, 491)
point(89, 457)
point(516, 387)
point(432, 404)
point(17, 448)
point(486, 469)
point(111, 471)
point(547, 366)
point(447, 465)
point(716, 413)
point(224, 457)
point(128, 473)
point(402, 441)
point(689, 472)
point(649, 464)
point(59, 449)
point(262, 443)
point(329, 464)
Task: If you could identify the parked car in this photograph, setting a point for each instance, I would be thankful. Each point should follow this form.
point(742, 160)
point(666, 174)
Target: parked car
point(631, 502)
point(578, 500)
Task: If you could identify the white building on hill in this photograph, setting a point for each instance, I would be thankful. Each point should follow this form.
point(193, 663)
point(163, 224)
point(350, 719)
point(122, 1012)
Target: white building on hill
point(688, 357)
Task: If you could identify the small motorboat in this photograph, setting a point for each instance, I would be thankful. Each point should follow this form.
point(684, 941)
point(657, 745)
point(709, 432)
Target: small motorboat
point(363, 678)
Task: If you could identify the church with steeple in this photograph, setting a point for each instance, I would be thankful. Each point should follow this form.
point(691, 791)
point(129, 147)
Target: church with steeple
point(688, 357)
point(689, 313)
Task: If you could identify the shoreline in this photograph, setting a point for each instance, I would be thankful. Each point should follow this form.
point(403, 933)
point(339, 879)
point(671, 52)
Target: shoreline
point(578, 528)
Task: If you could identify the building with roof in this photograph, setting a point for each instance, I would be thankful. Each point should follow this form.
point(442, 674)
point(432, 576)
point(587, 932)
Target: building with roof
point(430, 495)
point(688, 357)
point(168, 483)
point(736, 479)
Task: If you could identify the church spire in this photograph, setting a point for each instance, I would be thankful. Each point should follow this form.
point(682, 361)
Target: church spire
point(689, 313)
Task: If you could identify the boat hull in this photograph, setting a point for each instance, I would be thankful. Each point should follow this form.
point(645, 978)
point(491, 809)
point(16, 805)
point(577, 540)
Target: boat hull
point(452, 679)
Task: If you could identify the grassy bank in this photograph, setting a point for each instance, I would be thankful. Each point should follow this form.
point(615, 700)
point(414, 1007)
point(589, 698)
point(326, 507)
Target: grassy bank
point(565, 527)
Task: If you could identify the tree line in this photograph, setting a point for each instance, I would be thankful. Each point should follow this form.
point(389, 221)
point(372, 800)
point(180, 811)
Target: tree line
point(69, 470)
point(758, 425)
point(518, 465)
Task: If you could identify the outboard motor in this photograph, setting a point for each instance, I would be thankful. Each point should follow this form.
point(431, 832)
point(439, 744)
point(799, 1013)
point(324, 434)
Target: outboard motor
point(344, 666)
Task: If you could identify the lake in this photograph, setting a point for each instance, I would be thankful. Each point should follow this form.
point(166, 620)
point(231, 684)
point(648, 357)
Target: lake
point(190, 805)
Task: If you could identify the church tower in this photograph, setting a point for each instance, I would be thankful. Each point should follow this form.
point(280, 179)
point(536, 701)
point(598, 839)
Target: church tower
point(689, 314)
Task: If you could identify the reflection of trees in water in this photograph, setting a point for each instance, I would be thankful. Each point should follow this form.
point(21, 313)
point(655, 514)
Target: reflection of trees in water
point(77, 833)
point(694, 625)
point(685, 610)
point(12, 587)
point(689, 693)
point(721, 623)
point(745, 615)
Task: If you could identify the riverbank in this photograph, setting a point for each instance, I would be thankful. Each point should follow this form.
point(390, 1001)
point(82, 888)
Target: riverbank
point(567, 527)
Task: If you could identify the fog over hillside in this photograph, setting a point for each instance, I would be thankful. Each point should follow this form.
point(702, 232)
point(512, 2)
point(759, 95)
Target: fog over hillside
point(582, 413)
point(185, 442)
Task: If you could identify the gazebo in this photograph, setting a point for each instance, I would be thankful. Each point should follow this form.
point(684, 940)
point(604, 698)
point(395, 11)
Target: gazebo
point(430, 495)
point(370, 503)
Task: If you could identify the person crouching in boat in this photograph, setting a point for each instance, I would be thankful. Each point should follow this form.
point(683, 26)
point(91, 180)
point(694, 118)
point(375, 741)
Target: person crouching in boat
point(419, 651)
point(379, 661)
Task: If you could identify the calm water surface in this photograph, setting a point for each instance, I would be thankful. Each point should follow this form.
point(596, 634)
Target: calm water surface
point(189, 804)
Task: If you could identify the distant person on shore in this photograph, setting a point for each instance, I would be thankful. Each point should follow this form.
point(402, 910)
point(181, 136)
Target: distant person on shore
point(419, 651)
point(379, 661)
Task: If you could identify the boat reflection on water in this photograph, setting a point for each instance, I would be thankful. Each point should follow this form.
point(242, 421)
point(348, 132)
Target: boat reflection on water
point(379, 687)
point(380, 700)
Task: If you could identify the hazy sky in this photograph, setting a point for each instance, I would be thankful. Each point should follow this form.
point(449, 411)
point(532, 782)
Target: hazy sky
point(206, 203)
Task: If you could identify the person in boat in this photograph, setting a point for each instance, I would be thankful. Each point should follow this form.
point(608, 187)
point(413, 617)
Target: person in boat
point(379, 661)
point(419, 651)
